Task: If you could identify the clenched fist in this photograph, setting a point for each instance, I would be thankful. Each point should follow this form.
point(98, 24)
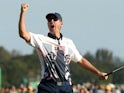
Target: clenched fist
point(102, 76)
point(24, 7)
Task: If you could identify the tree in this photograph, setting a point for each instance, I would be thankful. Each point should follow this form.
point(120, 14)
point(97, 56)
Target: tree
point(103, 55)
point(4, 55)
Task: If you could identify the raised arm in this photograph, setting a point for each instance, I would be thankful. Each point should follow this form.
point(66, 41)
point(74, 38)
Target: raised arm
point(23, 33)
point(87, 65)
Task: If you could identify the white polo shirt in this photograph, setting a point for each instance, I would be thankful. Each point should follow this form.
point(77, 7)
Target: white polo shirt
point(55, 55)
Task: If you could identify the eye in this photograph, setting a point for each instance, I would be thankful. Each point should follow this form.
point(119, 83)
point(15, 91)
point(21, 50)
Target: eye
point(49, 20)
point(55, 19)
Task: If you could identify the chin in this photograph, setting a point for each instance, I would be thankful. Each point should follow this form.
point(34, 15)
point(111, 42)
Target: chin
point(52, 31)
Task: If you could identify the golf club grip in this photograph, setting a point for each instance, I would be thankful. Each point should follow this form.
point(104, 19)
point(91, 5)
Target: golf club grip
point(108, 73)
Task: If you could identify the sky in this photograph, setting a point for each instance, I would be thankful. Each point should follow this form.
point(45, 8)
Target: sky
point(91, 24)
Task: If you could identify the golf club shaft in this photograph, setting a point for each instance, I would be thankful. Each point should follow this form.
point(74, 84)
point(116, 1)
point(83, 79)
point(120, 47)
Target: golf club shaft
point(115, 70)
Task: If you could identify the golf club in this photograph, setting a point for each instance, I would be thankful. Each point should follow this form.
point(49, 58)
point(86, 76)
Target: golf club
point(121, 67)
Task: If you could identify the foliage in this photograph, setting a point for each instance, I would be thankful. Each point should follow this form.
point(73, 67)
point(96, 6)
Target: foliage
point(17, 68)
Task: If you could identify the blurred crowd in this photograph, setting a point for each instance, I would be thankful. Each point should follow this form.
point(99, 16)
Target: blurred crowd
point(21, 89)
point(79, 88)
point(98, 88)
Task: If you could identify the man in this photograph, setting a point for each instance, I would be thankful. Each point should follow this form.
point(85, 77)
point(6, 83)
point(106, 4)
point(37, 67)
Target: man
point(55, 53)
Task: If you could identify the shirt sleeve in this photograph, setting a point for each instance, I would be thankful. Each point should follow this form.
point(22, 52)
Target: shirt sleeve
point(76, 57)
point(35, 39)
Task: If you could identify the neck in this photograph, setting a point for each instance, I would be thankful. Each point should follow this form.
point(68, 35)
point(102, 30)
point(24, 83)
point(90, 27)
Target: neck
point(56, 33)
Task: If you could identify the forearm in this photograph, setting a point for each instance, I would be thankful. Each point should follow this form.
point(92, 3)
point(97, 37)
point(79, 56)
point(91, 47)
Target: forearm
point(87, 65)
point(22, 26)
point(23, 33)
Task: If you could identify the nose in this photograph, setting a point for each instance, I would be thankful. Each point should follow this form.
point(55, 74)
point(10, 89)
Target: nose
point(52, 20)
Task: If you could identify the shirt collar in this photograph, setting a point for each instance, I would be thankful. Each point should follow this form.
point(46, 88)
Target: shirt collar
point(54, 37)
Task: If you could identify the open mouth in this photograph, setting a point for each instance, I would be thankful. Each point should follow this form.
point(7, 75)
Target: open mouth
point(52, 26)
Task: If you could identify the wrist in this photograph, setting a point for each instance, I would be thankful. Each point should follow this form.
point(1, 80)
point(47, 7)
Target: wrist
point(22, 12)
point(98, 73)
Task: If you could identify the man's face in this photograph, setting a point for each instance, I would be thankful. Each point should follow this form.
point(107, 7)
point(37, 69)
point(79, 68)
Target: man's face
point(54, 24)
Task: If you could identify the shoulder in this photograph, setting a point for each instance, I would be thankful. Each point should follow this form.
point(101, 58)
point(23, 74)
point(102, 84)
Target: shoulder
point(40, 37)
point(67, 39)
point(34, 35)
